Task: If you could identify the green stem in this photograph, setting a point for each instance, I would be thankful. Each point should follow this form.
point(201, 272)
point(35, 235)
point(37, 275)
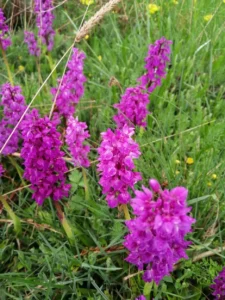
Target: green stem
point(126, 211)
point(7, 65)
point(86, 189)
point(15, 219)
point(39, 71)
point(18, 168)
point(52, 67)
point(67, 228)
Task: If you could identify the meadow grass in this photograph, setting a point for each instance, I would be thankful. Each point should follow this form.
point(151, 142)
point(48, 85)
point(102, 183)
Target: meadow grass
point(187, 121)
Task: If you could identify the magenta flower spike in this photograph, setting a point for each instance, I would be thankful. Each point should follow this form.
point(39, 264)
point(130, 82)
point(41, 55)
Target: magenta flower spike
point(71, 86)
point(43, 159)
point(31, 42)
point(76, 134)
point(13, 103)
point(219, 286)
point(132, 109)
point(116, 154)
point(157, 234)
point(156, 61)
point(5, 41)
point(44, 20)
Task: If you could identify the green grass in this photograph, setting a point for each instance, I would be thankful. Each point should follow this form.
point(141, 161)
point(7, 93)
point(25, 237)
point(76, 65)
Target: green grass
point(187, 120)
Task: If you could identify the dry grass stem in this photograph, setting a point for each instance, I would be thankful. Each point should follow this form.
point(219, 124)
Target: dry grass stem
point(85, 29)
point(36, 225)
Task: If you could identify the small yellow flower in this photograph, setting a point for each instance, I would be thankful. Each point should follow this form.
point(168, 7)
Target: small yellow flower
point(175, 2)
point(86, 37)
point(207, 18)
point(153, 8)
point(87, 2)
point(177, 172)
point(177, 162)
point(209, 184)
point(100, 58)
point(21, 69)
point(214, 176)
point(223, 1)
point(189, 161)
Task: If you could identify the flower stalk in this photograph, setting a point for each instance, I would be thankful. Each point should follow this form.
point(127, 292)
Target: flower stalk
point(7, 65)
point(67, 228)
point(126, 211)
point(86, 188)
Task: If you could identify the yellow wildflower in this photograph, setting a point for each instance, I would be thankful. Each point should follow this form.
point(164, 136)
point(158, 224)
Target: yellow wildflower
point(87, 2)
point(214, 176)
point(189, 161)
point(100, 58)
point(177, 172)
point(223, 1)
point(207, 18)
point(175, 2)
point(86, 37)
point(21, 68)
point(209, 184)
point(177, 162)
point(153, 8)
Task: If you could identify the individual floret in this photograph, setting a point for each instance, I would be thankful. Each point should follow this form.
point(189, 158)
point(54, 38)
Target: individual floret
point(141, 297)
point(76, 134)
point(157, 234)
point(116, 154)
point(1, 170)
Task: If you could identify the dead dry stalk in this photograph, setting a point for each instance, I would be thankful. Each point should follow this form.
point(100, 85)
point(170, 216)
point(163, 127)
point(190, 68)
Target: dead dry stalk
point(86, 28)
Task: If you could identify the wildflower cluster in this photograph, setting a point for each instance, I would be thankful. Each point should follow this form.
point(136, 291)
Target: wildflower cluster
point(157, 233)
point(5, 41)
point(132, 109)
point(31, 42)
point(116, 154)
point(219, 285)
point(76, 134)
point(43, 159)
point(44, 20)
point(71, 86)
point(156, 239)
point(156, 60)
point(14, 106)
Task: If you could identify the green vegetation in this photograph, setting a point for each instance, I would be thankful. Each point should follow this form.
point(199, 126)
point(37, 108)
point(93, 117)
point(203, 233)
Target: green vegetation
point(187, 121)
